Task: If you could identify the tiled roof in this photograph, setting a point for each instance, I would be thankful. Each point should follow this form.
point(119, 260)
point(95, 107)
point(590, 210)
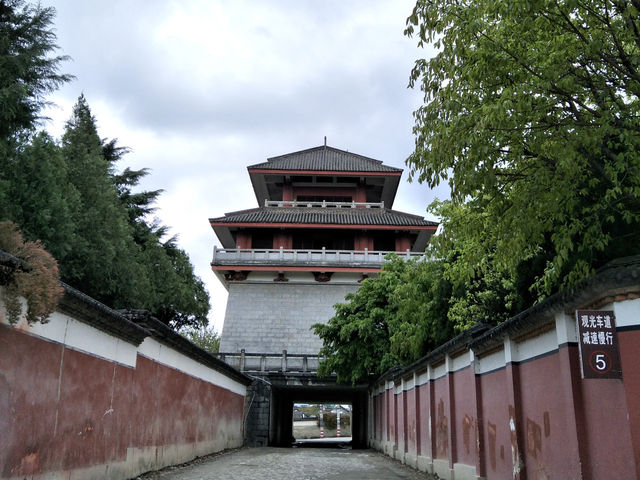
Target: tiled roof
point(324, 216)
point(325, 158)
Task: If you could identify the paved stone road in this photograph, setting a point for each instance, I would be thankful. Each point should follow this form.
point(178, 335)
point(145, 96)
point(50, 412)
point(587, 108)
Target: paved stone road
point(269, 463)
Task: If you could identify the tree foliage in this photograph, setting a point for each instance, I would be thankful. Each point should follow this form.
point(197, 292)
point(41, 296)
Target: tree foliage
point(100, 262)
point(531, 113)
point(27, 69)
point(40, 198)
point(119, 256)
point(36, 280)
point(205, 337)
point(394, 318)
point(69, 195)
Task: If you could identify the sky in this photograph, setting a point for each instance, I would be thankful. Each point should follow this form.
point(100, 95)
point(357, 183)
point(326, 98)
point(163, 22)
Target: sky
point(199, 90)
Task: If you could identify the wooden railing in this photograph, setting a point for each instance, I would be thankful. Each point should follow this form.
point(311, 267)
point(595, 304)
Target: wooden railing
point(271, 362)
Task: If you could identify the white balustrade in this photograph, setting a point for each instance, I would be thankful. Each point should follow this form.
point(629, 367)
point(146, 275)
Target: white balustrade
point(249, 256)
point(321, 204)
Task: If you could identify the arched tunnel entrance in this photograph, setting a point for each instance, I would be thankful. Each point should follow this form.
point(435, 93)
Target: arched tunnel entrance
point(284, 397)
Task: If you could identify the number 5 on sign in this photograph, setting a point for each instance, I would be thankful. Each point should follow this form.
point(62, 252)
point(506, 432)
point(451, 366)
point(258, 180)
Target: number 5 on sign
point(601, 361)
point(598, 344)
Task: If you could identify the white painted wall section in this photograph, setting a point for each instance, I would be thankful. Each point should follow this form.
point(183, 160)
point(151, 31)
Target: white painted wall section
point(165, 355)
point(79, 336)
point(460, 361)
point(536, 346)
point(490, 362)
point(627, 312)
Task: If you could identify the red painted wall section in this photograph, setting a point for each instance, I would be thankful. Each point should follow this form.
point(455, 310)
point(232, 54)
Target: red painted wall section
point(441, 420)
point(384, 417)
point(28, 384)
point(377, 407)
point(62, 410)
point(629, 350)
point(466, 417)
point(86, 414)
point(198, 409)
point(610, 448)
point(521, 411)
point(547, 417)
point(287, 193)
point(391, 408)
point(401, 400)
point(411, 427)
point(495, 418)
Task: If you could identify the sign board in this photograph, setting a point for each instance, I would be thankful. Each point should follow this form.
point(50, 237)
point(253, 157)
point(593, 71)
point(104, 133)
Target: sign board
point(599, 352)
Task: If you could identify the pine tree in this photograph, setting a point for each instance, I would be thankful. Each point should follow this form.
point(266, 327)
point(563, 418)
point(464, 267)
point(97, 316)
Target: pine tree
point(103, 259)
point(41, 198)
point(27, 69)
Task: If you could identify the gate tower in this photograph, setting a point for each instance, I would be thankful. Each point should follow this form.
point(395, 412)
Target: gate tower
point(323, 224)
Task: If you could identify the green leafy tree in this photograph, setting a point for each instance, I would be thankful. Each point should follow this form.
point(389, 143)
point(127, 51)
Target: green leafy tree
point(532, 114)
point(392, 319)
point(480, 291)
point(205, 337)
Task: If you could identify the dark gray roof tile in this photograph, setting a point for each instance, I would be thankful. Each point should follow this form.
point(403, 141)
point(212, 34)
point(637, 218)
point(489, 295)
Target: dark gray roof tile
point(325, 158)
point(323, 216)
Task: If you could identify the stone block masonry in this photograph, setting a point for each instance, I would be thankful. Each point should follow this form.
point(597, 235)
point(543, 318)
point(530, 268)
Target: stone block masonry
point(269, 318)
point(257, 410)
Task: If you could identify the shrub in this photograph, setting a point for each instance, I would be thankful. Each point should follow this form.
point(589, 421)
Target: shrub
point(33, 275)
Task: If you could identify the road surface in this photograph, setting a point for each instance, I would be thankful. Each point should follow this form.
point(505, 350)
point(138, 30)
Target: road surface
point(268, 463)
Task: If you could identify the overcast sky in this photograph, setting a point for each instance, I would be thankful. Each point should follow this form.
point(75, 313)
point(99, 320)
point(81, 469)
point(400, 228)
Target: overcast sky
point(199, 90)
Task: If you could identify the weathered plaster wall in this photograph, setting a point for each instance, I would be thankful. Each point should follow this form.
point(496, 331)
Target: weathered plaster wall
point(513, 404)
point(276, 316)
point(79, 403)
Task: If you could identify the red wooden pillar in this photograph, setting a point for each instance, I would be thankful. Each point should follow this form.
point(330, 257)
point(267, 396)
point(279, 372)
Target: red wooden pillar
point(243, 240)
point(403, 244)
point(287, 193)
point(282, 239)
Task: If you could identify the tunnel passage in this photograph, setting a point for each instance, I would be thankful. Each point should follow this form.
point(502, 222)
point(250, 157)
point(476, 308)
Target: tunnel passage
point(283, 398)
